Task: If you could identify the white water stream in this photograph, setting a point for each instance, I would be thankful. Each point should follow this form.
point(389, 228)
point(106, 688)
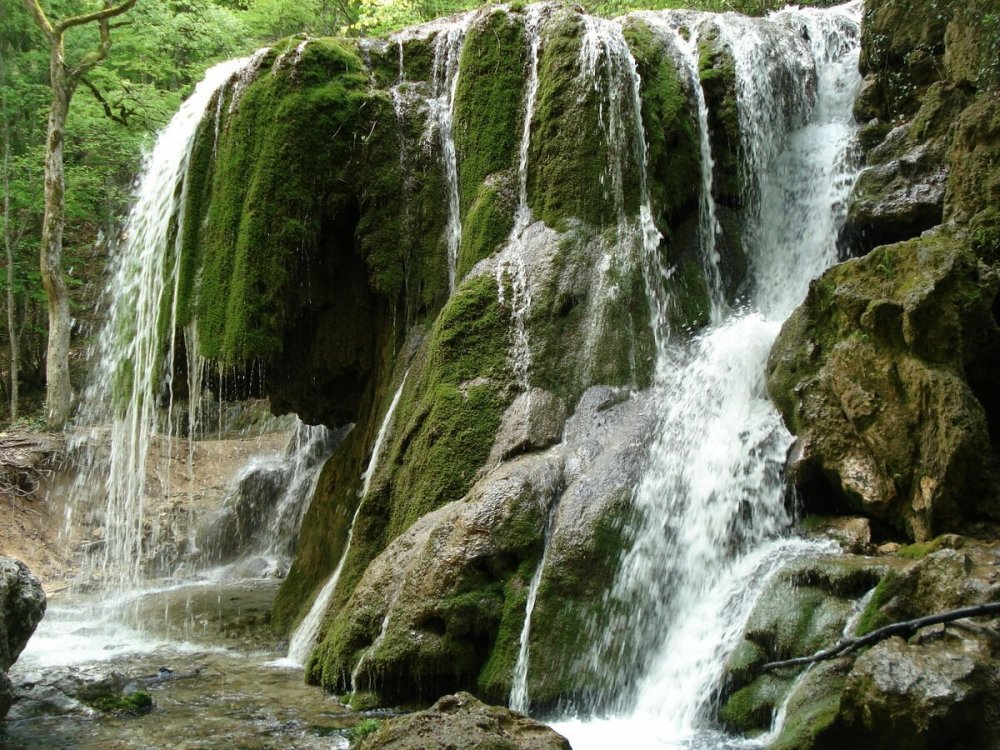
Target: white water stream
point(124, 391)
point(712, 501)
point(303, 640)
point(447, 52)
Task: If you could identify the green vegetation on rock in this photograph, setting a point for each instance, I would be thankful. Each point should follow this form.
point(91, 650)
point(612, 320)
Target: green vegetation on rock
point(568, 154)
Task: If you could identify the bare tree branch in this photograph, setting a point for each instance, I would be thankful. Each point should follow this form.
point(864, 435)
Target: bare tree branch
point(107, 12)
point(123, 112)
point(906, 627)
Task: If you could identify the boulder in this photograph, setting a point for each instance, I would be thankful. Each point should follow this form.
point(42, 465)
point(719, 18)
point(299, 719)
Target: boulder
point(22, 604)
point(461, 721)
point(882, 375)
point(936, 689)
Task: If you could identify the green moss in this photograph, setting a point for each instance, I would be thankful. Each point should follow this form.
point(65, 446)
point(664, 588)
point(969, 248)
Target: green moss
point(487, 224)
point(569, 609)
point(418, 58)
point(275, 186)
point(690, 301)
point(364, 700)
point(984, 230)
point(489, 103)
point(496, 677)
point(444, 428)
point(718, 80)
point(872, 618)
point(750, 709)
point(577, 324)
point(742, 663)
point(448, 421)
point(132, 704)
point(804, 729)
point(569, 151)
point(672, 145)
point(324, 530)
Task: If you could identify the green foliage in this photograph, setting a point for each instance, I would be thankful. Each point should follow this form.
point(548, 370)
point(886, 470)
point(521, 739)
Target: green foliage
point(362, 729)
point(133, 704)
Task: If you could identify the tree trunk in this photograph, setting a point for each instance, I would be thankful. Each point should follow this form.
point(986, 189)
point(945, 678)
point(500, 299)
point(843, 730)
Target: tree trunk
point(8, 246)
point(63, 80)
point(58, 389)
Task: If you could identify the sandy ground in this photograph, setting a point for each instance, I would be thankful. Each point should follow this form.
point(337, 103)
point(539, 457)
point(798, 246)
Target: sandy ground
point(181, 485)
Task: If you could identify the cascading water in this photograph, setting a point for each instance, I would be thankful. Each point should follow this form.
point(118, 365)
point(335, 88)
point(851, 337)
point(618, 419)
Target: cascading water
point(511, 262)
point(124, 390)
point(303, 640)
point(447, 51)
point(712, 502)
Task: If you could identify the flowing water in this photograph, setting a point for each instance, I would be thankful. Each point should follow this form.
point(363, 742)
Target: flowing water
point(511, 267)
point(447, 51)
point(130, 372)
point(304, 638)
point(713, 500)
point(712, 503)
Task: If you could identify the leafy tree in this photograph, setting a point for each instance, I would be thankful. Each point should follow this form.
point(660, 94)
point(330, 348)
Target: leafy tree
point(64, 78)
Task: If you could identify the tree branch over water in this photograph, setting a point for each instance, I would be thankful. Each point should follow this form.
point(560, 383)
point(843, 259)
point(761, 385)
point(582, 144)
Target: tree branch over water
point(905, 627)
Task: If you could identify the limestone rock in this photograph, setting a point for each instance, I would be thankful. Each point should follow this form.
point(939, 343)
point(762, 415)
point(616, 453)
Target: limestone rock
point(532, 422)
point(899, 199)
point(938, 690)
point(461, 721)
point(22, 604)
point(882, 375)
point(803, 608)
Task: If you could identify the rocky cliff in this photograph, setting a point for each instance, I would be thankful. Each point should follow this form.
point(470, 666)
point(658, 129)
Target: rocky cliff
point(484, 216)
point(886, 374)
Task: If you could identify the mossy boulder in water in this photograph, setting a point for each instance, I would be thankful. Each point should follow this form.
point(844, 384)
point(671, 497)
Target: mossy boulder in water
point(935, 689)
point(803, 608)
point(883, 376)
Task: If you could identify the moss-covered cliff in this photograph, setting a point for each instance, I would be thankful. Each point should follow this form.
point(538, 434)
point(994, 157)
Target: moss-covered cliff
point(323, 197)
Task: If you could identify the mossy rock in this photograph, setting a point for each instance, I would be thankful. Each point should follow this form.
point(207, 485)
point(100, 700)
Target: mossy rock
point(670, 122)
point(568, 155)
point(441, 607)
point(489, 102)
point(489, 220)
point(804, 608)
point(717, 70)
point(908, 324)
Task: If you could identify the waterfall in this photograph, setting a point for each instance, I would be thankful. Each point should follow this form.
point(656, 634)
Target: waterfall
point(124, 390)
point(712, 502)
point(304, 638)
point(307, 453)
point(447, 52)
point(510, 264)
point(518, 700)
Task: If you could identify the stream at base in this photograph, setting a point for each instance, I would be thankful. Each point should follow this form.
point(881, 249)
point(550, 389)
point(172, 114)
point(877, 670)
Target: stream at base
point(226, 688)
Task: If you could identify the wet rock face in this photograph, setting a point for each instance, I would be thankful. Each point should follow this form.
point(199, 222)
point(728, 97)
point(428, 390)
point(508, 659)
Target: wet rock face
point(442, 607)
point(22, 604)
point(937, 689)
point(462, 721)
point(880, 373)
point(928, 65)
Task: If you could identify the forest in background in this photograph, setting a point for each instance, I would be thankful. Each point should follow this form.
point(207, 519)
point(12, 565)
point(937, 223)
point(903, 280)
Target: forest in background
point(159, 50)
